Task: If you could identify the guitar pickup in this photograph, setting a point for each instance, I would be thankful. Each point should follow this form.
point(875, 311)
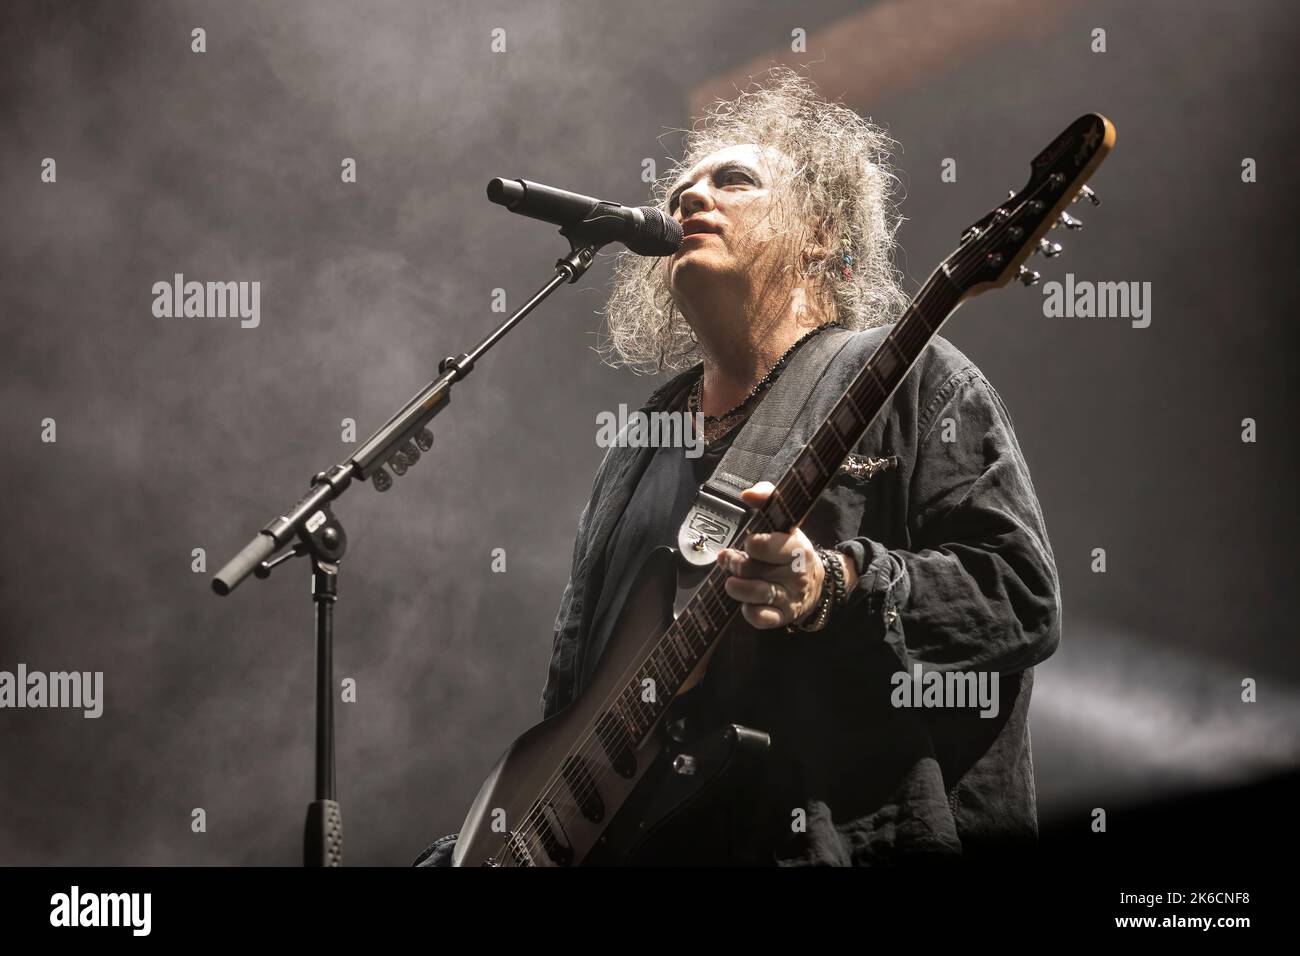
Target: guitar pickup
point(614, 739)
point(582, 787)
point(549, 830)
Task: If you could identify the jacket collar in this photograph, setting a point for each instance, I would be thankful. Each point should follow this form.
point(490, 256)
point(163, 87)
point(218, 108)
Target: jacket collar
point(670, 391)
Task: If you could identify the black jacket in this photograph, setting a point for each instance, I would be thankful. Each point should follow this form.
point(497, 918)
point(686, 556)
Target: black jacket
point(955, 574)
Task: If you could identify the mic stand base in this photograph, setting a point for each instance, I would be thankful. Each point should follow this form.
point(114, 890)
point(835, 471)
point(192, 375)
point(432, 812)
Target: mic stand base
point(322, 838)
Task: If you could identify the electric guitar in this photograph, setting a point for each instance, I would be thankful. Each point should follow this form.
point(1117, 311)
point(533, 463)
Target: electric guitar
point(597, 781)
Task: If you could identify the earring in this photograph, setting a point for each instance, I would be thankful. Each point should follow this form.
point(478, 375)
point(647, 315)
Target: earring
point(846, 266)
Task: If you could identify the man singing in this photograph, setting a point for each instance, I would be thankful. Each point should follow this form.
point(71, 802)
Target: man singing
point(930, 556)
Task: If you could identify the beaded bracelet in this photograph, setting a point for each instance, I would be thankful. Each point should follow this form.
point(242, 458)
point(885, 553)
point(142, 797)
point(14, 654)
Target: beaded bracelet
point(832, 596)
point(836, 559)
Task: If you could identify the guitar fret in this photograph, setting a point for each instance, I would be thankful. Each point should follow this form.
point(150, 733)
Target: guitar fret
point(781, 516)
point(844, 420)
point(874, 374)
point(642, 708)
point(796, 502)
point(854, 405)
point(840, 446)
point(832, 451)
point(624, 710)
point(865, 394)
point(809, 469)
point(683, 644)
point(897, 351)
point(702, 609)
point(663, 682)
point(699, 621)
point(688, 648)
point(670, 646)
point(815, 456)
point(885, 364)
point(802, 487)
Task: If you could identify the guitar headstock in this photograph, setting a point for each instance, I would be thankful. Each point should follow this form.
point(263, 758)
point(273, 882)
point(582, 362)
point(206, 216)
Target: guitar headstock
point(994, 249)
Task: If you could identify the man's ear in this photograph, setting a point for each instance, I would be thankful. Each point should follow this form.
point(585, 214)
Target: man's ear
point(817, 249)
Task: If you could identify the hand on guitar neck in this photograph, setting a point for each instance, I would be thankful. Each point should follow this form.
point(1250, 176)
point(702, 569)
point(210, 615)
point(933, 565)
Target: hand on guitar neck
point(779, 578)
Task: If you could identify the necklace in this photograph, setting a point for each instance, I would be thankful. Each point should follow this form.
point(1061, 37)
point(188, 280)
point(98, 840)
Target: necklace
point(715, 426)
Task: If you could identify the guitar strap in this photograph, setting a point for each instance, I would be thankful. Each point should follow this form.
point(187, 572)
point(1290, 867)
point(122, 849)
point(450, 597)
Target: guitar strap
point(718, 513)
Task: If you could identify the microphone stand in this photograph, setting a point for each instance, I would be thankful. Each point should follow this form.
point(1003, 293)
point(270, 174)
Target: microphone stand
point(321, 538)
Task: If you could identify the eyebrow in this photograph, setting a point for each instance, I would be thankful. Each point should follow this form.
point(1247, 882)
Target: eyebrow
point(713, 171)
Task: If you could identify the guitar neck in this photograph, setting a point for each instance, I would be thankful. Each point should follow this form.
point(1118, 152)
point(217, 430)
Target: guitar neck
point(854, 412)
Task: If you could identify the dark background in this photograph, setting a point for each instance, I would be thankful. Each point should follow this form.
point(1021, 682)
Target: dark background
point(182, 433)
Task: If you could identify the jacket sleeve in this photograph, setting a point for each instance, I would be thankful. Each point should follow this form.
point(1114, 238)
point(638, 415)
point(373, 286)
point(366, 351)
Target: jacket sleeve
point(980, 590)
point(560, 673)
point(561, 666)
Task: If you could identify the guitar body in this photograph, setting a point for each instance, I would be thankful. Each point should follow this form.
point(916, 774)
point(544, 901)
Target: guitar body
point(589, 813)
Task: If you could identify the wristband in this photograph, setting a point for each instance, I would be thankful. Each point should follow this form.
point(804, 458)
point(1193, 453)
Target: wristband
point(832, 594)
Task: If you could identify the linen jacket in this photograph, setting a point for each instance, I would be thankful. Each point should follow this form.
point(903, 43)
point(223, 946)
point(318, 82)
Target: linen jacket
point(955, 574)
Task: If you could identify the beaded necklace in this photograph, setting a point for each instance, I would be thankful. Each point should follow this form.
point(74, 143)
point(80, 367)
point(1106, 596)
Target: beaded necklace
point(715, 426)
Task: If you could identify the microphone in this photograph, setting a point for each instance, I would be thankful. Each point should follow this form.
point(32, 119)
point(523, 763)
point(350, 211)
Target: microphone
point(644, 229)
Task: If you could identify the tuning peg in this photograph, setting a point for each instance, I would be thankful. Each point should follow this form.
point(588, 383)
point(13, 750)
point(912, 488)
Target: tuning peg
point(1049, 249)
point(404, 458)
point(1069, 222)
point(1086, 193)
point(381, 479)
point(1028, 276)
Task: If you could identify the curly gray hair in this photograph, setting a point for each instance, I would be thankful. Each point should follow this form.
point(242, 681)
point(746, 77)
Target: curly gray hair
point(839, 196)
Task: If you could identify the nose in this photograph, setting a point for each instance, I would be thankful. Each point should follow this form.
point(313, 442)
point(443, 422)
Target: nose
point(694, 198)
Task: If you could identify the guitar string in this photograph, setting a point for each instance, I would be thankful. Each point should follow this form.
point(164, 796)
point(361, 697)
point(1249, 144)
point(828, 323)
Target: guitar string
point(974, 255)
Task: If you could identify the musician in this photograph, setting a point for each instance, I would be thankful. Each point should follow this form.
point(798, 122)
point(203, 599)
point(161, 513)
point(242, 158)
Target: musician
point(932, 551)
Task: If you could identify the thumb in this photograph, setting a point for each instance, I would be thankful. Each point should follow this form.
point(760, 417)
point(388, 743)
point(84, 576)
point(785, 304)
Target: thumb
point(758, 494)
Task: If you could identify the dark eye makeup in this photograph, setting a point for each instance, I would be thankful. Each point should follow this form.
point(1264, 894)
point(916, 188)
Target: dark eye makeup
point(720, 176)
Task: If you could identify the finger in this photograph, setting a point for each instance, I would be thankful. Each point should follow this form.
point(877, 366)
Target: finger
point(741, 565)
point(776, 547)
point(754, 591)
point(757, 494)
point(762, 616)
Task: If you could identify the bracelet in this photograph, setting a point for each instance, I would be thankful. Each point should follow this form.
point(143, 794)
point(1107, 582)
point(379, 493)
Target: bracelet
point(831, 559)
point(832, 595)
point(841, 577)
